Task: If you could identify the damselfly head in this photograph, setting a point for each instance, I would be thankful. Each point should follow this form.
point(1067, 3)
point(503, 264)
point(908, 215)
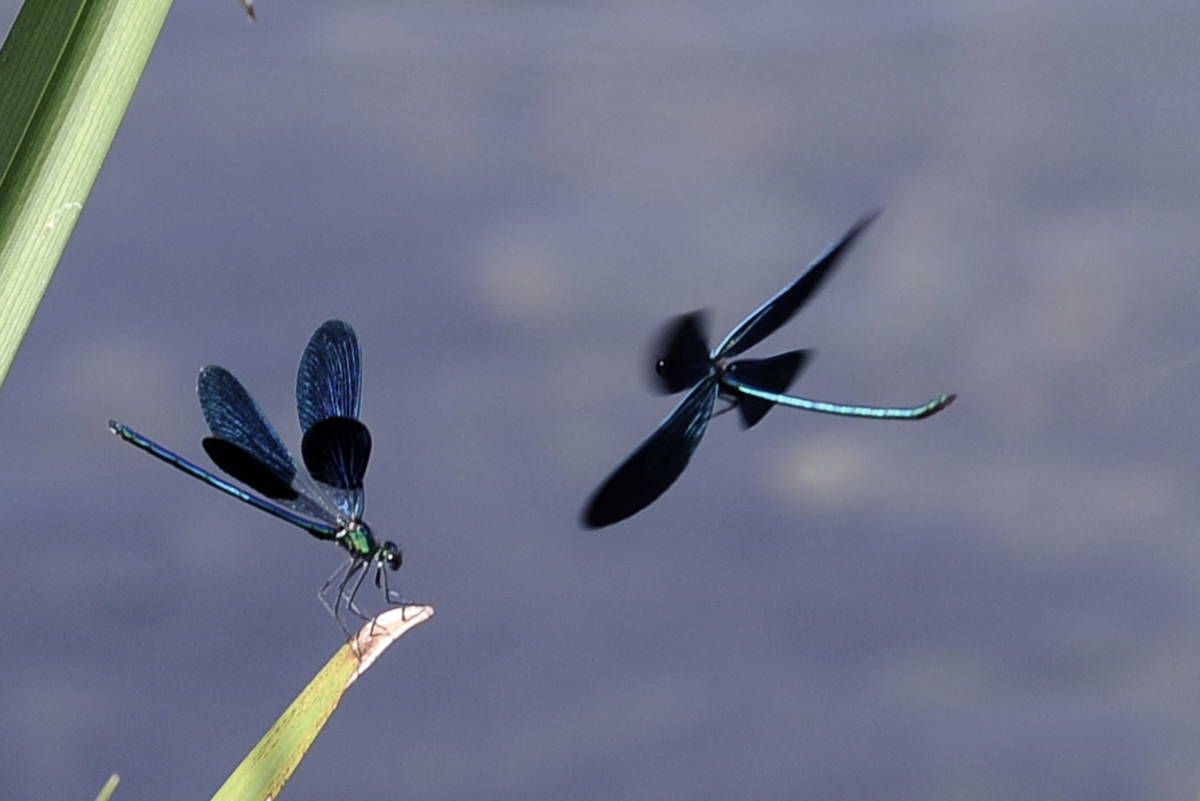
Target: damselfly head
point(389, 554)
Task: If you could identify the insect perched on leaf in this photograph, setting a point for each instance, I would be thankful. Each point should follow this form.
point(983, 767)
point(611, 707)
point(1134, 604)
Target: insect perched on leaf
point(752, 386)
point(327, 501)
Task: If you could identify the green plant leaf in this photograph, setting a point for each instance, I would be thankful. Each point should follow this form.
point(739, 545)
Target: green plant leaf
point(67, 71)
point(267, 768)
point(109, 786)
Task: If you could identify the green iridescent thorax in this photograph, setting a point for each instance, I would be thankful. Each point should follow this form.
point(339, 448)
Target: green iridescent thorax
point(356, 538)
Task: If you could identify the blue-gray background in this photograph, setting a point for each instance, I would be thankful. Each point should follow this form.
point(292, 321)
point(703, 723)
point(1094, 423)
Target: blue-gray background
point(507, 199)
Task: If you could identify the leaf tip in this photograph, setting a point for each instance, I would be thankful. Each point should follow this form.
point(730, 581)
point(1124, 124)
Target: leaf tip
point(384, 629)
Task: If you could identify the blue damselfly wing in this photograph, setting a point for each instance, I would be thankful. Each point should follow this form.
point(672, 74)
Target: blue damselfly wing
point(258, 457)
point(769, 317)
point(774, 374)
point(335, 447)
point(657, 462)
point(329, 381)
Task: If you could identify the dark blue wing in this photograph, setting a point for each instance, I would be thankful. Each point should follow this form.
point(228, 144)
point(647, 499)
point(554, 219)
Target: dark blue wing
point(681, 356)
point(656, 464)
point(775, 375)
point(236, 461)
point(330, 376)
point(244, 444)
point(779, 309)
point(336, 451)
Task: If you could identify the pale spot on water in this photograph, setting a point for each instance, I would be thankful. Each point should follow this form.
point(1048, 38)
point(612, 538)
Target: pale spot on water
point(519, 277)
point(824, 472)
